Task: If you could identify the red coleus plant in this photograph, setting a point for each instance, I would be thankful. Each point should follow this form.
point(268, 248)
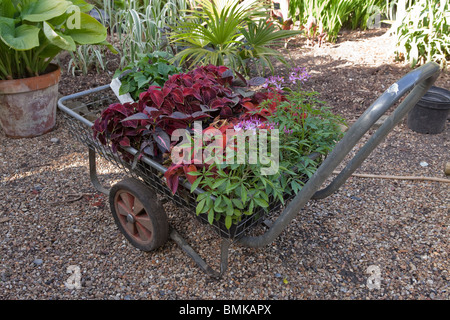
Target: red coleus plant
point(117, 125)
point(205, 93)
point(185, 97)
point(175, 171)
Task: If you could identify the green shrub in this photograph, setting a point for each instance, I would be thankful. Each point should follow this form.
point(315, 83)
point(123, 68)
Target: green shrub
point(334, 14)
point(424, 33)
point(153, 69)
point(229, 33)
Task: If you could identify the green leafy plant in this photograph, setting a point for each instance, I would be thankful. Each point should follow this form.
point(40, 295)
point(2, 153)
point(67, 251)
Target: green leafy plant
point(309, 127)
point(229, 33)
point(239, 190)
point(333, 15)
point(87, 57)
point(33, 32)
point(306, 128)
point(424, 33)
point(153, 69)
point(142, 26)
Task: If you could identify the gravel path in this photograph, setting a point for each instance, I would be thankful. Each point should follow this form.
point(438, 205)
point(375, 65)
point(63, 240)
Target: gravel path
point(373, 239)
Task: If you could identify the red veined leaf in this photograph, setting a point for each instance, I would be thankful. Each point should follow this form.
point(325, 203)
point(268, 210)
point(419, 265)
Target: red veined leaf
point(177, 96)
point(125, 142)
point(157, 97)
point(137, 116)
point(162, 140)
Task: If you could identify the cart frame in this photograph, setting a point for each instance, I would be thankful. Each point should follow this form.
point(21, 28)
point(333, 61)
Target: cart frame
point(416, 82)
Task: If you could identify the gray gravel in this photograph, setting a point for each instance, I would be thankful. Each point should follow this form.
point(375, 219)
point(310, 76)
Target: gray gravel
point(373, 239)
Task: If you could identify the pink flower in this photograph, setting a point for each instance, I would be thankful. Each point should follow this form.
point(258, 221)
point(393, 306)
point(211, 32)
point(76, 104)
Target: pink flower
point(298, 75)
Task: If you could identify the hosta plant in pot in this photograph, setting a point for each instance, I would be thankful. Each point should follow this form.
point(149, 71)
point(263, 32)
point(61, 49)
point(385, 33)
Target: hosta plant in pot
point(32, 34)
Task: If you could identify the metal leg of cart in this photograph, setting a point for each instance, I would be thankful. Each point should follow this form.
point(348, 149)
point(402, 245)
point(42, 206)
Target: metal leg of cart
point(175, 236)
point(93, 173)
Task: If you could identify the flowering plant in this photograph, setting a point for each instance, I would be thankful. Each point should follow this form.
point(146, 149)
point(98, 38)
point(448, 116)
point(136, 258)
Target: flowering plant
point(299, 126)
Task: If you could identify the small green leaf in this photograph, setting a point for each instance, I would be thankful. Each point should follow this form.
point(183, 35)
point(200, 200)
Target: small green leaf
point(141, 80)
point(211, 216)
point(218, 183)
point(200, 206)
point(228, 222)
point(250, 207)
point(230, 211)
point(238, 203)
point(261, 202)
point(24, 37)
point(196, 183)
point(83, 5)
point(7, 9)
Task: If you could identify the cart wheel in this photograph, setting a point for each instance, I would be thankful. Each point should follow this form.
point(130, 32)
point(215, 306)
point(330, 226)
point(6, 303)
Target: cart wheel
point(138, 214)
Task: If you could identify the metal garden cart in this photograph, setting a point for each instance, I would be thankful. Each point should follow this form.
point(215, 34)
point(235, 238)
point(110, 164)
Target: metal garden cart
point(139, 214)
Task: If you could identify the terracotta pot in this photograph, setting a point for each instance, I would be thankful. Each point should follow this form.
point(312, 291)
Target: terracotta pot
point(28, 106)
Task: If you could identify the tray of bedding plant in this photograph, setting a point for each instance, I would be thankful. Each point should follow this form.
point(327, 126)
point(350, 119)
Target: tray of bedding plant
point(228, 149)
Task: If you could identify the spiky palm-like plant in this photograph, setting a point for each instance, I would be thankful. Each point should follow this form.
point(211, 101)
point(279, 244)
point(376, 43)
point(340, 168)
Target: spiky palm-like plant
point(228, 33)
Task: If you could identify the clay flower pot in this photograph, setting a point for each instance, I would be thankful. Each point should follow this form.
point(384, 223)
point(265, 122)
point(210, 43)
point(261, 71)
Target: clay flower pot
point(28, 106)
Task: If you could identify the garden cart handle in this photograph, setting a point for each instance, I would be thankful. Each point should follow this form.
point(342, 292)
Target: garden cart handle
point(419, 80)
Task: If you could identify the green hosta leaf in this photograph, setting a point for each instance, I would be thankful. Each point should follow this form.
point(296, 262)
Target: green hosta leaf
point(230, 211)
point(90, 32)
point(58, 39)
point(24, 37)
point(83, 5)
point(7, 9)
point(43, 10)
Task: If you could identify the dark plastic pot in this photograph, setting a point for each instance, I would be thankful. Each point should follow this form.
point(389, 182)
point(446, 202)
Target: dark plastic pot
point(430, 113)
